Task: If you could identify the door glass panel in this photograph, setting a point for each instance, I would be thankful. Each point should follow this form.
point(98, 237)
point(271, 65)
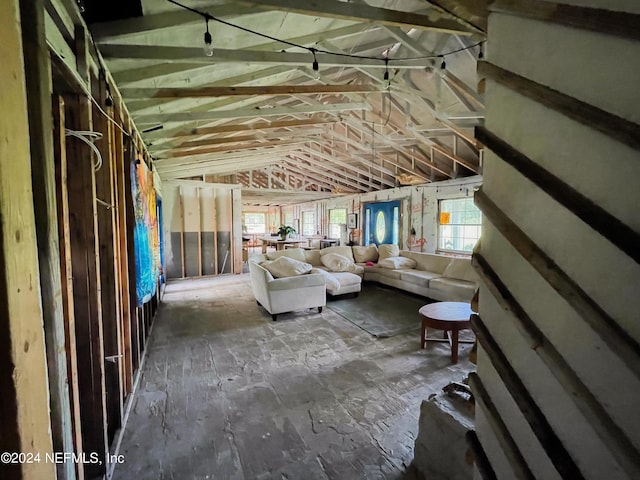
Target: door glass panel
point(380, 227)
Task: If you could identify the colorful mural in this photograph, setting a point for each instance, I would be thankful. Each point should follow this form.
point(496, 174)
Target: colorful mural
point(145, 234)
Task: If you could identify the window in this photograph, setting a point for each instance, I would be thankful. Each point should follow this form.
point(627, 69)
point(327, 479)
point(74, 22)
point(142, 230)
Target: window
point(460, 223)
point(337, 217)
point(308, 223)
point(254, 222)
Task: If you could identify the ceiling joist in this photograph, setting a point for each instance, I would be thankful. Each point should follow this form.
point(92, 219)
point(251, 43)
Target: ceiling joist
point(364, 13)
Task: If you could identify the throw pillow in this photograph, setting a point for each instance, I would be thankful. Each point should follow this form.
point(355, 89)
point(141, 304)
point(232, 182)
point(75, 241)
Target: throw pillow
point(365, 254)
point(460, 268)
point(336, 262)
point(397, 262)
point(344, 251)
point(286, 267)
point(331, 282)
point(312, 257)
point(295, 253)
point(387, 250)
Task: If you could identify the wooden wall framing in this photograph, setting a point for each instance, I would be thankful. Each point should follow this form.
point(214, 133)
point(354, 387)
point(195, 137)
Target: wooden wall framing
point(66, 246)
point(203, 227)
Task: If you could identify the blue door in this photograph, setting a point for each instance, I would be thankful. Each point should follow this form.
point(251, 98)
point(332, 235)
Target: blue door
point(381, 222)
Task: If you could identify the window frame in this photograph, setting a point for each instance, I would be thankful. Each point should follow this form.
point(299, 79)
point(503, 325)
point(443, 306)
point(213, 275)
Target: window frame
point(454, 238)
point(245, 225)
point(331, 224)
point(304, 215)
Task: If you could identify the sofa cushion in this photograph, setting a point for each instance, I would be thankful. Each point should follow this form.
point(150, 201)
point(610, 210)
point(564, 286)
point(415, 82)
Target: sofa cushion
point(295, 253)
point(346, 278)
point(458, 289)
point(363, 254)
point(419, 278)
point(286, 267)
point(388, 250)
point(429, 262)
point(389, 273)
point(312, 257)
point(331, 281)
point(344, 251)
point(337, 263)
point(460, 268)
point(397, 262)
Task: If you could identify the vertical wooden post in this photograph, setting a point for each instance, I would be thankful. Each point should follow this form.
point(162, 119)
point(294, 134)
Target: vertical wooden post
point(66, 271)
point(236, 229)
point(117, 280)
point(232, 256)
point(38, 78)
point(215, 234)
point(122, 175)
point(182, 255)
point(24, 402)
point(85, 256)
point(105, 219)
point(129, 158)
point(199, 232)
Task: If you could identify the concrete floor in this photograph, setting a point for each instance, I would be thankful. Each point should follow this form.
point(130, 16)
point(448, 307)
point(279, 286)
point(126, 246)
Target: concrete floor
point(228, 394)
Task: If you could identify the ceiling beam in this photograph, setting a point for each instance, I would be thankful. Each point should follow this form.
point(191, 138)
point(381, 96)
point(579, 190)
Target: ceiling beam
point(171, 154)
point(271, 75)
point(348, 166)
point(349, 179)
point(153, 23)
point(412, 154)
point(227, 166)
point(181, 132)
point(198, 92)
point(194, 55)
point(364, 13)
point(245, 113)
point(222, 154)
point(215, 169)
point(313, 177)
point(253, 139)
point(369, 162)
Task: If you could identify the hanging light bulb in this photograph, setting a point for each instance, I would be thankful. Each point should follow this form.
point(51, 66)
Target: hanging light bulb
point(207, 46)
point(314, 65)
point(443, 65)
point(481, 52)
point(386, 69)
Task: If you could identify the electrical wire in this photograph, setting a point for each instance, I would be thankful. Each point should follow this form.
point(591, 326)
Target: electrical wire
point(108, 116)
point(87, 137)
point(313, 50)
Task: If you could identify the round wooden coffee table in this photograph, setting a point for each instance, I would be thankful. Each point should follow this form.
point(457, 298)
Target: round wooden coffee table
point(451, 317)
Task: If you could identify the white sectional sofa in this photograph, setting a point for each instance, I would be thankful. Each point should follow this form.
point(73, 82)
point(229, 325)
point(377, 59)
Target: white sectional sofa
point(434, 276)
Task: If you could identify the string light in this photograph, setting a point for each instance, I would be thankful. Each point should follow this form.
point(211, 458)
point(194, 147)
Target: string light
point(208, 17)
point(481, 52)
point(386, 69)
point(443, 65)
point(207, 46)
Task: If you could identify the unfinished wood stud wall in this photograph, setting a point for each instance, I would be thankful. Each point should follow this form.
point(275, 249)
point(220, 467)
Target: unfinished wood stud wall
point(66, 246)
point(203, 229)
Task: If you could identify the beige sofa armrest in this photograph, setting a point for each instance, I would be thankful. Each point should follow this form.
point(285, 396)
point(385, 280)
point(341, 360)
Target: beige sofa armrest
point(299, 281)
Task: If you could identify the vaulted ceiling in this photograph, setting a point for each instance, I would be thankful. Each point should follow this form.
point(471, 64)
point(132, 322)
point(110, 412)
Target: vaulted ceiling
point(258, 114)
